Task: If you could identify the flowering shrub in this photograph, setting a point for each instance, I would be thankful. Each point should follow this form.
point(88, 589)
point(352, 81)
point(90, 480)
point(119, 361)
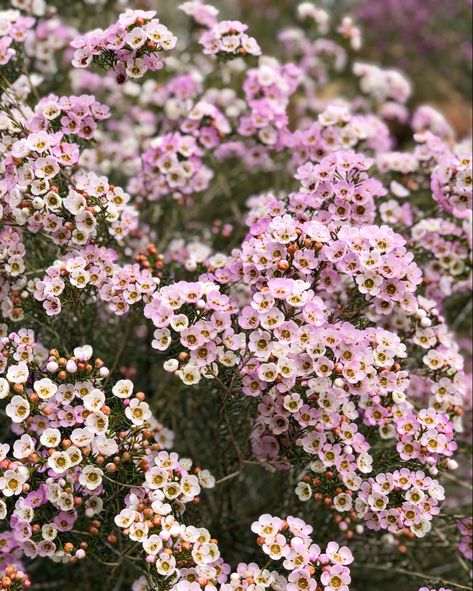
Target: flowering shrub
point(274, 246)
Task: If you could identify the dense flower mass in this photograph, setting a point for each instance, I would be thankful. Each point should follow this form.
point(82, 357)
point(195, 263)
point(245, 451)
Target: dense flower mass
point(274, 245)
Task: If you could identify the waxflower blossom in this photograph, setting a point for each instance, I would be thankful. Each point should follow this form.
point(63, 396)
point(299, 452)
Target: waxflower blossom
point(14, 28)
point(130, 47)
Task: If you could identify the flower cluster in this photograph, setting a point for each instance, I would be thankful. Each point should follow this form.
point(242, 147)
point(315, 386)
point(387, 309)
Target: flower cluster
point(337, 129)
point(149, 518)
point(13, 30)
point(70, 115)
point(383, 85)
point(130, 47)
point(207, 124)
point(450, 257)
point(268, 89)
point(307, 566)
point(402, 499)
point(43, 192)
point(452, 184)
point(174, 166)
point(93, 273)
point(229, 39)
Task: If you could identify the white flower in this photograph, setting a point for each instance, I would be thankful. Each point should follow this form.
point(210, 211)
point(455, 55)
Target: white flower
point(11, 483)
point(4, 388)
point(97, 422)
point(18, 374)
point(18, 410)
point(94, 505)
point(123, 389)
point(162, 339)
point(49, 531)
point(152, 545)
point(136, 68)
point(156, 477)
point(91, 477)
point(75, 203)
point(415, 496)
point(138, 412)
point(343, 503)
point(189, 375)
point(205, 553)
point(136, 38)
point(125, 518)
point(75, 455)
point(190, 486)
point(45, 388)
point(365, 463)
point(303, 491)
point(83, 353)
point(166, 565)
point(104, 446)
point(50, 437)
point(59, 461)
point(82, 437)
point(23, 447)
point(170, 365)
point(206, 479)
point(138, 531)
point(94, 401)
point(421, 529)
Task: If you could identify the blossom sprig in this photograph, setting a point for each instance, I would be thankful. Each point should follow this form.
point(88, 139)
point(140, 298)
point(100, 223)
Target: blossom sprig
point(172, 166)
point(42, 189)
point(229, 39)
point(291, 541)
point(446, 245)
point(71, 115)
point(452, 185)
point(149, 518)
point(383, 85)
point(268, 90)
point(13, 31)
point(337, 129)
point(306, 385)
point(93, 273)
point(130, 47)
point(403, 499)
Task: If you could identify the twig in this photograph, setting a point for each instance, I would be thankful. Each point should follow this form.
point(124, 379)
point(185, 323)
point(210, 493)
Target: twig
point(416, 575)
